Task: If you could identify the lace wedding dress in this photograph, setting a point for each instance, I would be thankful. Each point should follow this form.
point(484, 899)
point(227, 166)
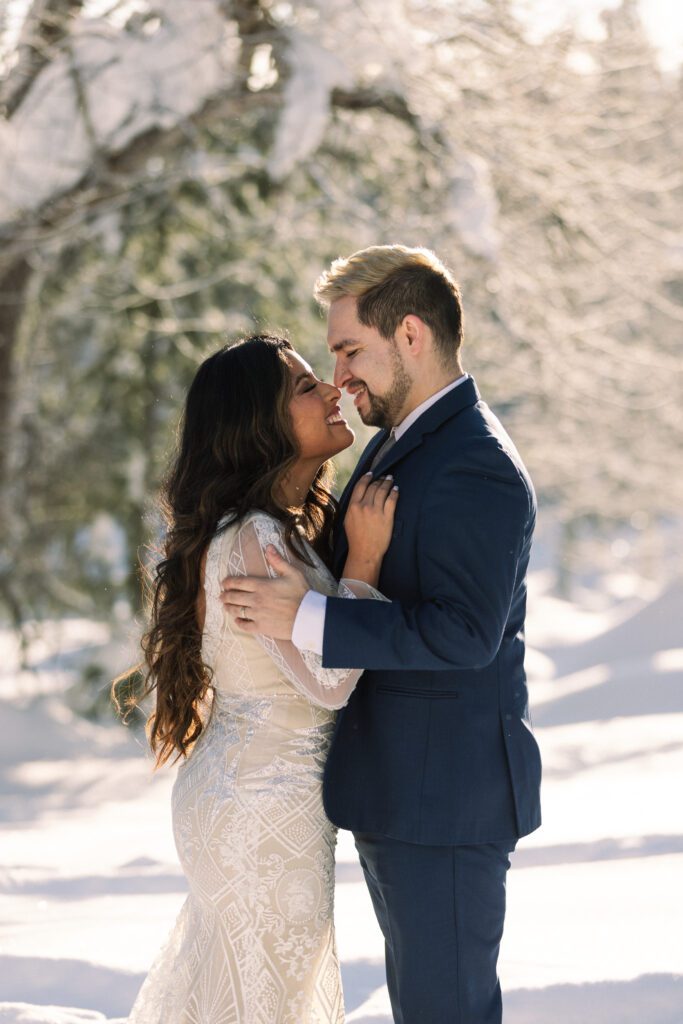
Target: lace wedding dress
point(254, 941)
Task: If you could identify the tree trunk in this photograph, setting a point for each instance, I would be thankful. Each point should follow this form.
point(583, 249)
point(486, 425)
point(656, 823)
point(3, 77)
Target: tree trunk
point(14, 281)
point(13, 284)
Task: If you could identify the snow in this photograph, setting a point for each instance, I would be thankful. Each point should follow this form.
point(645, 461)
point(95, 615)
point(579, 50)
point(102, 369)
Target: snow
point(473, 210)
point(133, 82)
point(91, 883)
point(314, 73)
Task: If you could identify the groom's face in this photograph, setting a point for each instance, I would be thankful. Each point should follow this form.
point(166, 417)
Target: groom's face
point(367, 366)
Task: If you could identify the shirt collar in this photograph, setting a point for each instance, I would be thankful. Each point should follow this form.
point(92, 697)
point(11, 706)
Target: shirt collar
point(399, 430)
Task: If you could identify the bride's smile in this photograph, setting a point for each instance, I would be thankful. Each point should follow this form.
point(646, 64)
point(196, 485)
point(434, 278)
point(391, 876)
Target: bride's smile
point(321, 430)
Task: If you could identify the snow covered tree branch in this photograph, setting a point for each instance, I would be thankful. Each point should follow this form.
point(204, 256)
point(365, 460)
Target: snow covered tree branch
point(46, 25)
point(169, 177)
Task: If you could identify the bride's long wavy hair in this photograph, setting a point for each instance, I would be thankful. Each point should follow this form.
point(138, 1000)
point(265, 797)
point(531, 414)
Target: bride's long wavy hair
point(236, 445)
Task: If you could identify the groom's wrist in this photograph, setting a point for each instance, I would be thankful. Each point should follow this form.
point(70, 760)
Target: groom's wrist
point(309, 624)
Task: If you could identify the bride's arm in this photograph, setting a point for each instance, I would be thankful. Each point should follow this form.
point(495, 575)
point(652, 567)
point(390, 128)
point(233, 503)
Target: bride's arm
point(330, 688)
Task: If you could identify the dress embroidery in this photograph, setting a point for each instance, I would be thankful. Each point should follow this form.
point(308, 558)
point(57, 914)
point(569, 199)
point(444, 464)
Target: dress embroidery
point(254, 941)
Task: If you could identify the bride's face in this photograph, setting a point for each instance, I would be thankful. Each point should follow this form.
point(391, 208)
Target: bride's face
point(319, 427)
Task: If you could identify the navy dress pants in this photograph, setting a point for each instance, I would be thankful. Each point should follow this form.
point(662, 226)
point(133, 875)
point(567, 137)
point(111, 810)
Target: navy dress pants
point(441, 910)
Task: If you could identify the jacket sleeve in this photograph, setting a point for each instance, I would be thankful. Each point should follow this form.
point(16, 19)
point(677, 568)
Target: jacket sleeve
point(474, 522)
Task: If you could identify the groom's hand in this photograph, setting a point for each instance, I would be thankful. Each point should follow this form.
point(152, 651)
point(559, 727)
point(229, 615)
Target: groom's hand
point(267, 606)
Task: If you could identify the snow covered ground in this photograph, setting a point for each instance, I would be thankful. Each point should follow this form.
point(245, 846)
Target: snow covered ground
point(90, 885)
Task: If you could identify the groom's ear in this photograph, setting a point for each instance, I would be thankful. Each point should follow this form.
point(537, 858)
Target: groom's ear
point(413, 329)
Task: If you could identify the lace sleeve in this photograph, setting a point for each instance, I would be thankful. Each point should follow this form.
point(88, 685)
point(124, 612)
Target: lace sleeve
point(328, 687)
point(358, 589)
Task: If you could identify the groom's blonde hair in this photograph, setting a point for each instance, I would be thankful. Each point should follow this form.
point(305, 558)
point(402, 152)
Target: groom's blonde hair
point(391, 281)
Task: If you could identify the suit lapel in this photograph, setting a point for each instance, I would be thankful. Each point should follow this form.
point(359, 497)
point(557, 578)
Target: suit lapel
point(364, 463)
point(465, 395)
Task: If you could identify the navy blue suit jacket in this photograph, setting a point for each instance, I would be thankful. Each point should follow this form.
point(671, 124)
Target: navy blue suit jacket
point(434, 745)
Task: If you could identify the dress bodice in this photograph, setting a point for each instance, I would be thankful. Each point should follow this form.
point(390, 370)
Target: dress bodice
point(245, 664)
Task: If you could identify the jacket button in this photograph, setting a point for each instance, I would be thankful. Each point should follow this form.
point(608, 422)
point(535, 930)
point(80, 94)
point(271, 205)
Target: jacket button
point(508, 718)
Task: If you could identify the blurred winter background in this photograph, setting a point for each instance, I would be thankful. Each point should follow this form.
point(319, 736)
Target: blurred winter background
point(179, 171)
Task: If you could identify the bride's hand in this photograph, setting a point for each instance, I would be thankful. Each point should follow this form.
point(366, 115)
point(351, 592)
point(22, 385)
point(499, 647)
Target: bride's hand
point(368, 524)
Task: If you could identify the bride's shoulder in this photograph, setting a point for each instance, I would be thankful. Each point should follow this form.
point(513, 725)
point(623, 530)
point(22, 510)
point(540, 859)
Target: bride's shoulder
point(257, 515)
point(233, 522)
point(267, 528)
point(237, 537)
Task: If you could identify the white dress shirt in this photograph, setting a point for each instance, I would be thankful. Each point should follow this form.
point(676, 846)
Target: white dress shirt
point(309, 625)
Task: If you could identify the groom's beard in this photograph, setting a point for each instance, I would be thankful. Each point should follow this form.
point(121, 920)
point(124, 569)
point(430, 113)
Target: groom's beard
point(385, 409)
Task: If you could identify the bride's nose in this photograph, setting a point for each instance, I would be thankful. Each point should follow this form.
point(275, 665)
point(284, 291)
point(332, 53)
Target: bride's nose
point(334, 391)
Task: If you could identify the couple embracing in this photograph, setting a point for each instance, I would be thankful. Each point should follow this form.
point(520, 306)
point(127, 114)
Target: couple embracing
point(358, 665)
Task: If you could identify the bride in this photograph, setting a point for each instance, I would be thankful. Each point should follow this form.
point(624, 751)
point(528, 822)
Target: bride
point(251, 718)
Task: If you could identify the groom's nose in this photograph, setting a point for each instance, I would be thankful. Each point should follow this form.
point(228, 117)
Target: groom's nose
point(341, 374)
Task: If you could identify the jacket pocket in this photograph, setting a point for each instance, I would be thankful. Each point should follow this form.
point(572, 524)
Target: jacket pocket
point(414, 691)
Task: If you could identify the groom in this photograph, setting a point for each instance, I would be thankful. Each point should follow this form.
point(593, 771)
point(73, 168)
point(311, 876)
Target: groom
point(433, 765)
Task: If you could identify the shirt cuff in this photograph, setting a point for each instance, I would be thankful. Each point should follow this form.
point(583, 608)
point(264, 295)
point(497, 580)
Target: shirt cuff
point(309, 625)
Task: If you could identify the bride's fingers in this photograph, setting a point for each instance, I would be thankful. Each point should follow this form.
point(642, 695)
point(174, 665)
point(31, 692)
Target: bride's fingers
point(391, 499)
point(361, 487)
point(382, 489)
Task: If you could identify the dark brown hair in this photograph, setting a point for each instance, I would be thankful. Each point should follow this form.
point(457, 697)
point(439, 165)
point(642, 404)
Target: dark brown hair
point(236, 444)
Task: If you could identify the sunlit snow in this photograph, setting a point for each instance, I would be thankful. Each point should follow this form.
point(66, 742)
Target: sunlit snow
point(91, 883)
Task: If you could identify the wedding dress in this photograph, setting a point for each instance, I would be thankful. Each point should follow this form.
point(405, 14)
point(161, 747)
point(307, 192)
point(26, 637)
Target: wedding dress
point(254, 941)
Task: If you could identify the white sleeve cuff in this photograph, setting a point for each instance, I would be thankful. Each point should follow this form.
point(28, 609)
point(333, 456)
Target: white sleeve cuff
point(309, 625)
